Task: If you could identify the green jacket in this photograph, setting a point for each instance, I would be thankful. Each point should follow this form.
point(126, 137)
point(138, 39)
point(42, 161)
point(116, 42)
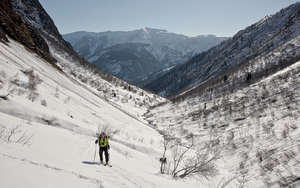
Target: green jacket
point(102, 143)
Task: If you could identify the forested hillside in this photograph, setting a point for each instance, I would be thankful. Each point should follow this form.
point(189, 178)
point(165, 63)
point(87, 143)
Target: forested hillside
point(272, 40)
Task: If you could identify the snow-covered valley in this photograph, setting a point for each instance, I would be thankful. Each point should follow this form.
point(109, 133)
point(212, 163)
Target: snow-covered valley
point(49, 140)
point(242, 131)
point(59, 128)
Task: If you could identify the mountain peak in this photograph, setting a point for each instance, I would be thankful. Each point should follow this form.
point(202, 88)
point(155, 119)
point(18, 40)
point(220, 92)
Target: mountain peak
point(147, 29)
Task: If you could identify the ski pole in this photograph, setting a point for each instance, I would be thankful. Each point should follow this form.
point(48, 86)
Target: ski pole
point(108, 154)
point(95, 152)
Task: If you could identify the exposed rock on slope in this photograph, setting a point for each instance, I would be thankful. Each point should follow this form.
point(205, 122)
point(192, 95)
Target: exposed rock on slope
point(13, 26)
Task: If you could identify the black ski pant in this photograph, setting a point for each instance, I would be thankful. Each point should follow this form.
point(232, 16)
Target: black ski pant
point(101, 150)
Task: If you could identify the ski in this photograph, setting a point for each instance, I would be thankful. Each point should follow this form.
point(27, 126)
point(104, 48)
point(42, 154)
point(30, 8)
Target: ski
point(105, 164)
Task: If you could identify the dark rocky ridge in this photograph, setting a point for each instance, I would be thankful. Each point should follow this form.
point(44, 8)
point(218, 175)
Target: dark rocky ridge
point(33, 11)
point(15, 27)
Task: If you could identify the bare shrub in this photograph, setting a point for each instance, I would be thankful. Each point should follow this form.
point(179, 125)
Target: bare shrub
point(15, 81)
point(281, 168)
point(83, 78)
point(4, 97)
point(288, 181)
point(107, 129)
point(128, 154)
point(2, 132)
point(124, 100)
point(56, 92)
point(230, 136)
point(12, 131)
point(267, 128)
point(285, 132)
point(33, 81)
point(32, 96)
point(178, 155)
point(168, 142)
point(67, 100)
point(24, 139)
point(182, 130)
point(202, 164)
point(53, 121)
point(10, 90)
point(6, 135)
point(73, 72)
point(293, 126)
point(3, 74)
point(21, 92)
point(141, 140)
point(44, 103)
point(223, 183)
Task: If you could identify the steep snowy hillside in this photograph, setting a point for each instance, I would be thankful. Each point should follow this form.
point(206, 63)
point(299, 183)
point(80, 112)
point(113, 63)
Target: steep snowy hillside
point(277, 33)
point(49, 123)
point(138, 53)
point(253, 130)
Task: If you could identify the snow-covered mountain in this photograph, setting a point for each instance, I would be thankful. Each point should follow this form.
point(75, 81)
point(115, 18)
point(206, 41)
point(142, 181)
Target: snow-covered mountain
point(133, 55)
point(266, 40)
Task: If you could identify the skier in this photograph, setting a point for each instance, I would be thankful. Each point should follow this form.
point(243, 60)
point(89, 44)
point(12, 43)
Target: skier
point(103, 146)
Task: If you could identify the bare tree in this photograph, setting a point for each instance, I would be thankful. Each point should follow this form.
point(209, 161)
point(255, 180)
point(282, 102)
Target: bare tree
point(168, 142)
point(107, 129)
point(24, 139)
point(202, 164)
point(53, 121)
point(33, 81)
point(6, 135)
point(178, 154)
point(2, 132)
point(12, 131)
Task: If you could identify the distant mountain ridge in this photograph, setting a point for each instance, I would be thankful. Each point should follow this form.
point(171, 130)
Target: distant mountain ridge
point(133, 55)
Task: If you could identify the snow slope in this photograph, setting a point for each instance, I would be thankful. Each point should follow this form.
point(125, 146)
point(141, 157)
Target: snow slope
point(256, 129)
point(62, 153)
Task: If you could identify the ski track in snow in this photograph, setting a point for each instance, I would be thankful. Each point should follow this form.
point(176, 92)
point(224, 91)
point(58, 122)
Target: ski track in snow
point(84, 177)
point(130, 178)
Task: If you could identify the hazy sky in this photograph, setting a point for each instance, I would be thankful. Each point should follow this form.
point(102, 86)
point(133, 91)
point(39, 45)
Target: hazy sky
point(188, 17)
